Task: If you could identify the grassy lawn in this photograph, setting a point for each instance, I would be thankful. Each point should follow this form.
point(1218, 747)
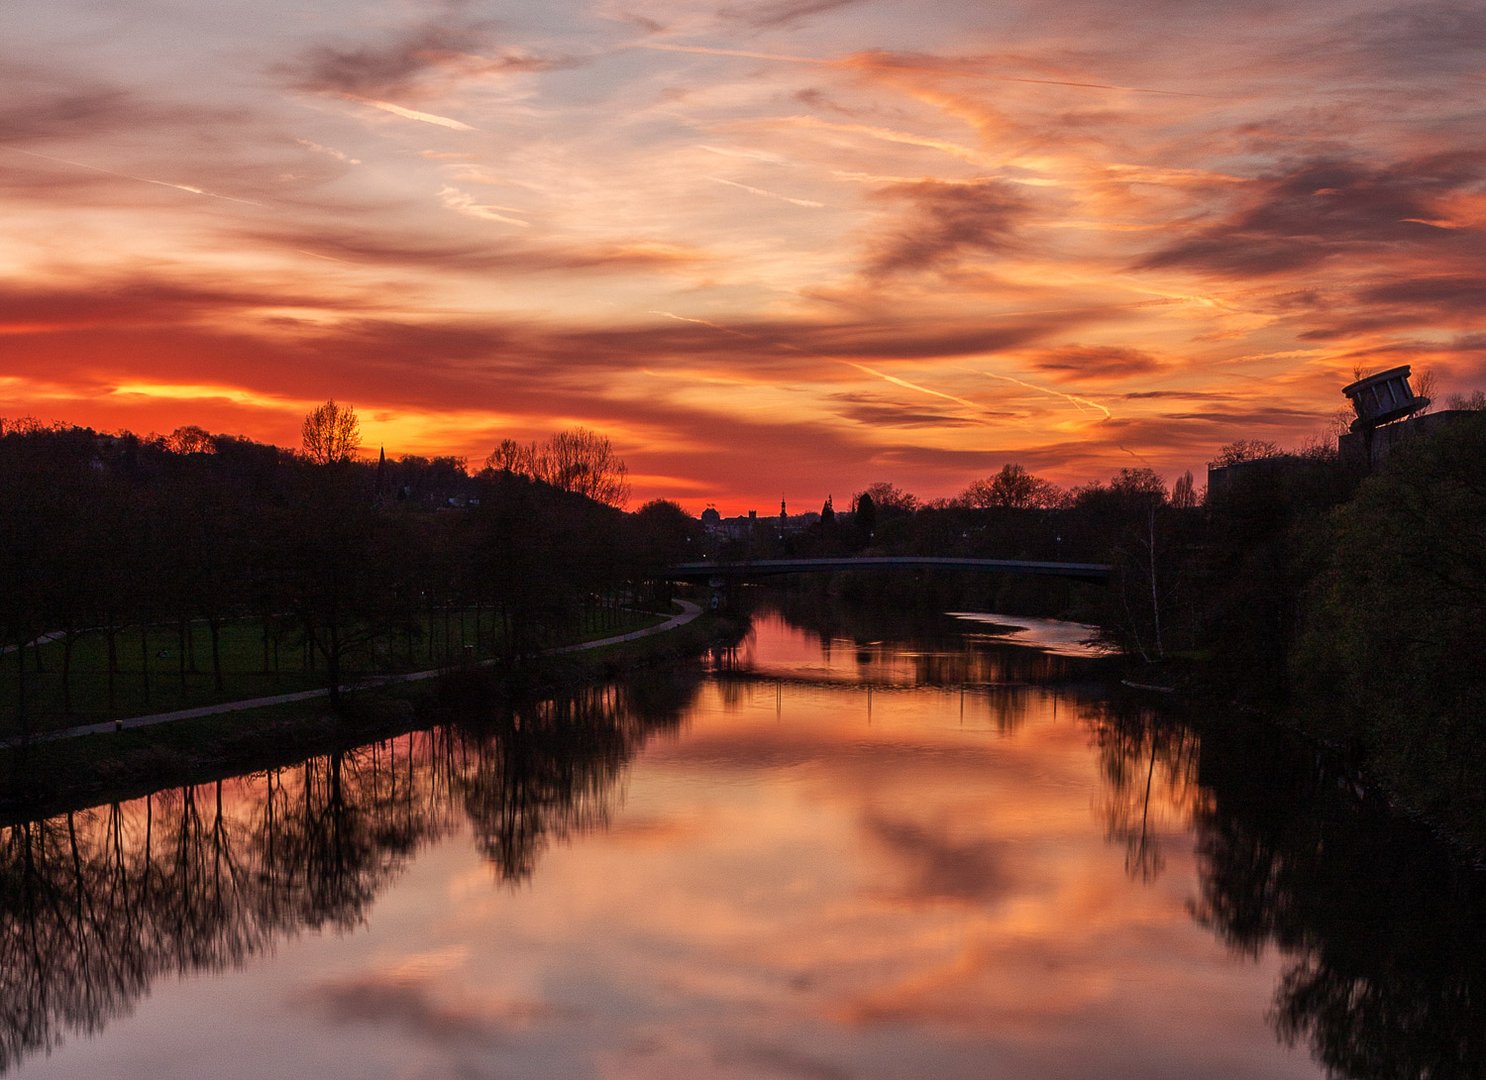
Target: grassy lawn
point(156, 671)
point(53, 776)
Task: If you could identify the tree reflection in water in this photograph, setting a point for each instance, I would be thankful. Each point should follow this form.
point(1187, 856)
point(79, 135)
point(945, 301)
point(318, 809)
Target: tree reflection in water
point(554, 770)
point(1150, 771)
point(96, 904)
point(1384, 935)
point(1383, 929)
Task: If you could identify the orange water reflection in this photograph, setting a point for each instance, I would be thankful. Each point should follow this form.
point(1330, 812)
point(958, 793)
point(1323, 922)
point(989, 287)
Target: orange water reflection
point(792, 876)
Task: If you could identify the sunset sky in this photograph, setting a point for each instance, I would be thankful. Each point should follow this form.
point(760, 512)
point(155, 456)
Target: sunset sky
point(787, 247)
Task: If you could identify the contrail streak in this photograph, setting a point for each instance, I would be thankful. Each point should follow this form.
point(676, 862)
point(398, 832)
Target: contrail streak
point(888, 63)
point(413, 114)
point(905, 138)
point(868, 60)
point(972, 405)
point(129, 176)
point(766, 193)
point(709, 325)
point(1080, 403)
point(742, 54)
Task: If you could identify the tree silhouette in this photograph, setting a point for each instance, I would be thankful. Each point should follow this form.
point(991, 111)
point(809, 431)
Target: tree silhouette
point(579, 461)
point(1394, 629)
point(864, 515)
point(331, 433)
point(1012, 487)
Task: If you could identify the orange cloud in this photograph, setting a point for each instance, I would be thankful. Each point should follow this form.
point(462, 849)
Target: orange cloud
point(856, 208)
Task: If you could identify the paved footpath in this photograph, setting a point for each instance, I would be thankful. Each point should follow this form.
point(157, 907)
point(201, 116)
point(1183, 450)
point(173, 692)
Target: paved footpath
point(689, 611)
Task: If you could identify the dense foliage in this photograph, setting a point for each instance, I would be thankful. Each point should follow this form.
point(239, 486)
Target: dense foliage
point(1393, 656)
point(1355, 603)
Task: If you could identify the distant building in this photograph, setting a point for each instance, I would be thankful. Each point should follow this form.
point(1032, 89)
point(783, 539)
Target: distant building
point(1382, 398)
point(1370, 448)
point(749, 526)
point(1220, 476)
point(1388, 414)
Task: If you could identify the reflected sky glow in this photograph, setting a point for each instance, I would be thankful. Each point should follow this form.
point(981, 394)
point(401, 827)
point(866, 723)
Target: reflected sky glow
point(801, 881)
point(1051, 635)
point(914, 242)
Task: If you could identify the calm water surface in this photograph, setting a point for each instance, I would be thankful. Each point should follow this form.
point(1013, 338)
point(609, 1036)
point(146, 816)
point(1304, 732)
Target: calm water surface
point(820, 857)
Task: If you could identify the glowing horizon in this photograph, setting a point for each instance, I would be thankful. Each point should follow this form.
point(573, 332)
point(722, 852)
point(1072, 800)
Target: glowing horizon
point(788, 248)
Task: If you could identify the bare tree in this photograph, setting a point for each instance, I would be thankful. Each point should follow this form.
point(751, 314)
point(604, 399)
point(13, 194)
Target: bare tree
point(1426, 384)
point(579, 460)
point(331, 433)
point(584, 462)
point(1242, 450)
point(513, 457)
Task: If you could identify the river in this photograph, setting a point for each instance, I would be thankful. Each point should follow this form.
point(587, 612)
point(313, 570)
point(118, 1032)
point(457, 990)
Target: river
point(849, 851)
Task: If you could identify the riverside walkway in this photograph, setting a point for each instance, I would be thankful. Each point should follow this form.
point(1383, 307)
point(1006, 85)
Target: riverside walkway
point(689, 611)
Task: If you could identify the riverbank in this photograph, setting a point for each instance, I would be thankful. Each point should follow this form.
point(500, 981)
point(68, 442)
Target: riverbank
point(1444, 803)
point(689, 611)
point(147, 753)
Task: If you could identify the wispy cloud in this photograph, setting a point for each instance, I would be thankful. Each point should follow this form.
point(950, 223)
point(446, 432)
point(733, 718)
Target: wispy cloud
point(412, 1005)
point(462, 202)
point(741, 54)
point(947, 223)
point(921, 240)
point(992, 68)
point(776, 14)
point(895, 135)
point(412, 62)
point(1328, 208)
point(1071, 362)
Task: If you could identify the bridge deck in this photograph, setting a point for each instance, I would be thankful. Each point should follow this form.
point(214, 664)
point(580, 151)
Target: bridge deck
point(761, 568)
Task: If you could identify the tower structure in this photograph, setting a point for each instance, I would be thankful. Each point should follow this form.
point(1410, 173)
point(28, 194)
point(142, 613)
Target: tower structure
point(1383, 398)
point(1383, 403)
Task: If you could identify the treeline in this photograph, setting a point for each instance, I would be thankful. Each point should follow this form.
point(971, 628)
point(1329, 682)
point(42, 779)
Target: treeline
point(1390, 656)
point(1354, 601)
point(1132, 522)
point(347, 566)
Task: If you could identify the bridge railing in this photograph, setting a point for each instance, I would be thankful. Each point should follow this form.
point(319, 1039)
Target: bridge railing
point(762, 568)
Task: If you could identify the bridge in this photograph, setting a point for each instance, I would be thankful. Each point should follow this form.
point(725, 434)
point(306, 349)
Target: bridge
point(752, 569)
